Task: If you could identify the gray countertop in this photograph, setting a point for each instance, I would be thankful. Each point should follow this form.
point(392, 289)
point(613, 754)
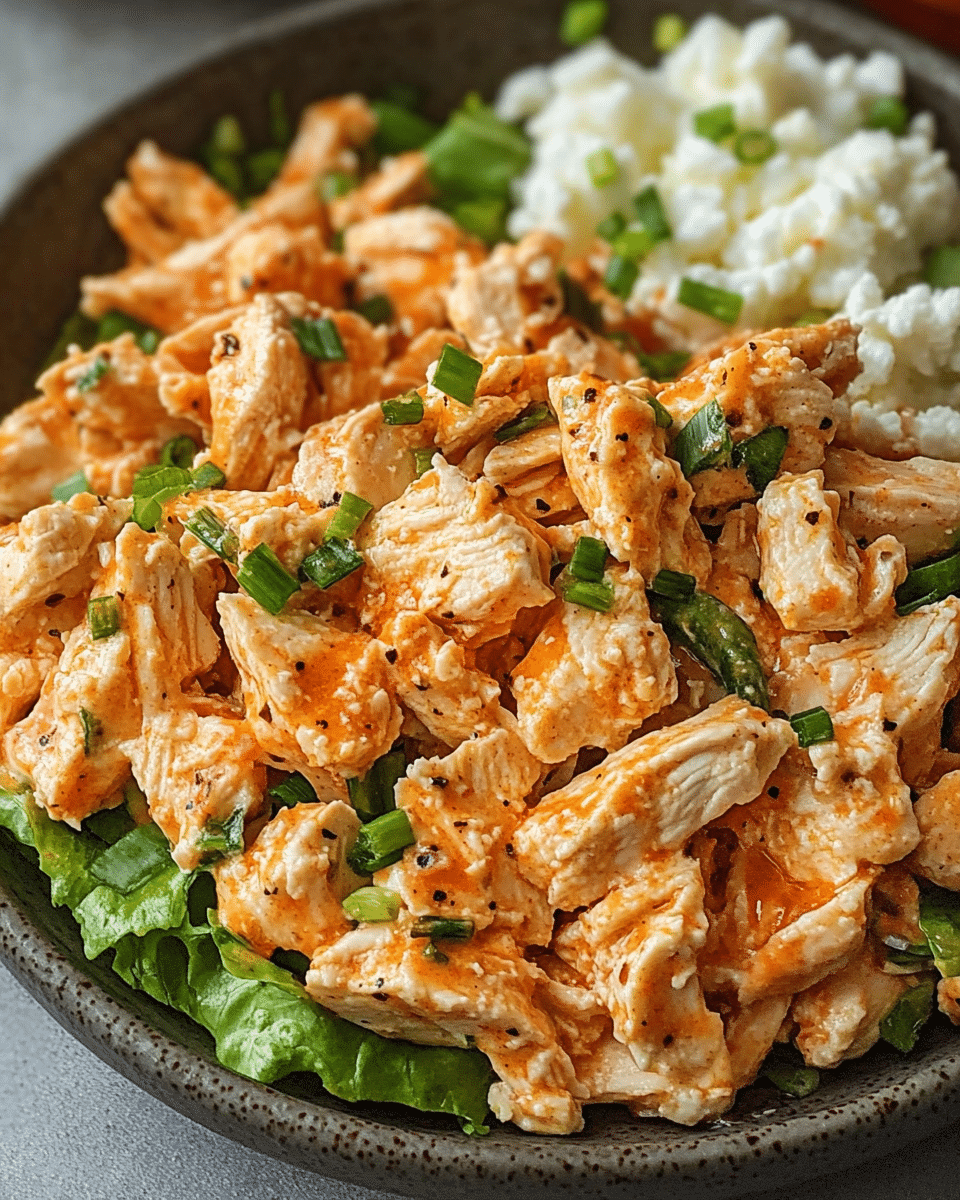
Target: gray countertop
point(69, 1125)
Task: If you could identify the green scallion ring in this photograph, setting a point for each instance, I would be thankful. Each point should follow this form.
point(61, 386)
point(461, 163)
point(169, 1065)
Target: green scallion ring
point(754, 146)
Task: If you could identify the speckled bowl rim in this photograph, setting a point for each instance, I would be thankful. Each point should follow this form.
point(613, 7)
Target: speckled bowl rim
point(900, 1102)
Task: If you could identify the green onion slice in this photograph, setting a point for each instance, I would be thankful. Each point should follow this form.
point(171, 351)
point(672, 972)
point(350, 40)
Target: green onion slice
point(403, 410)
point(331, 562)
point(373, 794)
point(761, 455)
point(263, 167)
point(632, 243)
point(577, 304)
point(103, 617)
point(227, 137)
point(113, 323)
point(902, 1024)
point(715, 302)
point(179, 452)
point(320, 339)
point(669, 30)
point(381, 842)
point(206, 527)
point(348, 517)
point(620, 275)
point(754, 146)
point(139, 856)
point(652, 216)
point(218, 839)
point(264, 577)
point(94, 373)
point(227, 172)
point(888, 112)
point(376, 309)
point(457, 374)
point(73, 486)
point(432, 951)
point(675, 585)
point(942, 267)
point(928, 584)
point(582, 20)
point(661, 415)
point(157, 478)
point(715, 123)
point(423, 459)
point(612, 226)
point(704, 442)
point(334, 184)
point(292, 790)
point(602, 167)
point(92, 729)
point(207, 475)
point(596, 595)
point(534, 418)
point(812, 727)
point(588, 560)
point(372, 904)
point(443, 929)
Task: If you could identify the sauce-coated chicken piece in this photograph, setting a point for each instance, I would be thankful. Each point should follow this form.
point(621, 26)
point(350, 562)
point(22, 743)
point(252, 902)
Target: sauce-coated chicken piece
point(937, 857)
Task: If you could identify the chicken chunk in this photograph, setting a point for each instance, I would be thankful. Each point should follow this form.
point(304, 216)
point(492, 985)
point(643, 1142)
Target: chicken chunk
point(312, 693)
point(328, 136)
point(507, 303)
point(638, 950)
point(275, 258)
point(182, 361)
point(447, 549)
point(39, 448)
point(649, 796)
point(378, 977)
point(592, 678)
point(286, 889)
point(398, 182)
point(634, 494)
point(917, 501)
point(813, 575)
point(937, 857)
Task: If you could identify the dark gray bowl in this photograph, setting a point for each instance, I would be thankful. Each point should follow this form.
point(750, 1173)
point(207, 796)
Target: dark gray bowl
point(53, 232)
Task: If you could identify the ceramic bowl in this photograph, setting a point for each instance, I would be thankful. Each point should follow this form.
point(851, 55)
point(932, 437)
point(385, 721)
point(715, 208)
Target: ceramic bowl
point(53, 232)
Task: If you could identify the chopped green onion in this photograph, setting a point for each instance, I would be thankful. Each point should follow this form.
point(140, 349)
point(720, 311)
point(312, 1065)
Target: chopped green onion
point(942, 267)
point(754, 146)
point(632, 244)
point(928, 584)
point(432, 951)
point(334, 184)
point(715, 123)
point(372, 904)
point(73, 486)
point(331, 562)
point(888, 112)
point(761, 455)
point(612, 226)
point(794, 1081)
point(423, 459)
point(227, 137)
point(92, 729)
point(227, 172)
point(399, 129)
point(348, 518)
point(534, 418)
point(381, 842)
point(281, 133)
point(320, 339)
point(156, 478)
point(620, 276)
point(812, 727)
point(92, 376)
point(652, 216)
point(373, 794)
point(264, 577)
point(704, 442)
point(940, 922)
point(218, 839)
point(588, 560)
point(376, 309)
point(813, 316)
point(661, 415)
point(262, 168)
point(443, 929)
point(715, 302)
point(292, 790)
point(457, 374)
point(114, 322)
point(598, 596)
point(207, 527)
point(669, 30)
point(153, 486)
point(582, 20)
point(179, 452)
point(602, 167)
point(207, 475)
point(675, 585)
point(103, 617)
point(134, 860)
point(77, 330)
point(403, 410)
point(484, 217)
point(476, 155)
point(902, 1024)
point(577, 304)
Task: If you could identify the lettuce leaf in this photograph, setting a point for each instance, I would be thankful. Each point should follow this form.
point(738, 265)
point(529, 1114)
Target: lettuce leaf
point(264, 1024)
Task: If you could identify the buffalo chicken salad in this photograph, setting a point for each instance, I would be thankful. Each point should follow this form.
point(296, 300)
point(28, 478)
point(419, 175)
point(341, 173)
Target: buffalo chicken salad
point(479, 603)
